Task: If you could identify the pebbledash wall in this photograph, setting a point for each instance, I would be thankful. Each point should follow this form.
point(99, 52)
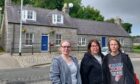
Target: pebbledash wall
point(12, 42)
point(14, 33)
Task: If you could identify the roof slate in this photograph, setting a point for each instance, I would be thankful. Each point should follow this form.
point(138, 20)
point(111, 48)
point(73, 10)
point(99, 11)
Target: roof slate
point(83, 26)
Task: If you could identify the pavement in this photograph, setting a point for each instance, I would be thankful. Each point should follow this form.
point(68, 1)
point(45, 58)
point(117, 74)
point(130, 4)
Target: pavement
point(8, 61)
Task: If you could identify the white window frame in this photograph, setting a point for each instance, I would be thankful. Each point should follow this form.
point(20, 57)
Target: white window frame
point(58, 39)
point(30, 40)
point(82, 41)
point(28, 15)
point(57, 19)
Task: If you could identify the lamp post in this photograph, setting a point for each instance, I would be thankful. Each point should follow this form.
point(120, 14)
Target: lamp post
point(0, 15)
point(20, 37)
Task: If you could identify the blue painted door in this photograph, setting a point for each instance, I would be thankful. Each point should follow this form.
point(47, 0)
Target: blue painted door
point(44, 43)
point(103, 41)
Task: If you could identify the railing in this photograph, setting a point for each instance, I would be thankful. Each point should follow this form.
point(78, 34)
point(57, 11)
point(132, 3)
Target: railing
point(36, 48)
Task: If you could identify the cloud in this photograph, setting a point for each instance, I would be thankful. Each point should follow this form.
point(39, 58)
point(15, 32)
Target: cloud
point(128, 10)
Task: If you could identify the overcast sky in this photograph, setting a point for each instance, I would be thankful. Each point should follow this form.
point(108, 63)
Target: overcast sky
point(127, 10)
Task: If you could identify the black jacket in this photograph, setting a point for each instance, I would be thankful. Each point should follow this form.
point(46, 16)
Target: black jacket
point(91, 71)
point(128, 71)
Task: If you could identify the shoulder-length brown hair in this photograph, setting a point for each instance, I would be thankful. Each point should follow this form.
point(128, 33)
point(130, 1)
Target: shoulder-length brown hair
point(118, 43)
point(89, 45)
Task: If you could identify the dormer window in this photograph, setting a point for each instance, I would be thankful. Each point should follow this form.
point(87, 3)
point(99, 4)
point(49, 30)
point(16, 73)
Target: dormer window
point(28, 15)
point(57, 19)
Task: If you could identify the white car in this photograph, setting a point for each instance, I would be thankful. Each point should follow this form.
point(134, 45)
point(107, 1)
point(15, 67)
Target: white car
point(105, 50)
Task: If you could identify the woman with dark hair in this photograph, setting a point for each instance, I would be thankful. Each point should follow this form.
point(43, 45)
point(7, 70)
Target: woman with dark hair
point(117, 66)
point(91, 64)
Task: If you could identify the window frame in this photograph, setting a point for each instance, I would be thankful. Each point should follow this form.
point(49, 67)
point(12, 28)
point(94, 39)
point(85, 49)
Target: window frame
point(28, 15)
point(57, 19)
point(58, 39)
point(82, 41)
point(29, 39)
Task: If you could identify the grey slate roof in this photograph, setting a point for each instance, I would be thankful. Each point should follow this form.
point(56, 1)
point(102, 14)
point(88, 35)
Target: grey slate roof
point(83, 26)
point(99, 28)
point(43, 16)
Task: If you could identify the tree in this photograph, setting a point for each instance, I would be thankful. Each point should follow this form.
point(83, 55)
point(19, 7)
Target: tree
point(53, 4)
point(89, 13)
point(19, 2)
point(110, 20)
point(2, 4)
point(127, 27)
point(78, 11)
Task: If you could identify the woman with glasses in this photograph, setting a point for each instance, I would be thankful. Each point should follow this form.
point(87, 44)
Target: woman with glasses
point(117, 66)
point(65, 68)
point(91, 64)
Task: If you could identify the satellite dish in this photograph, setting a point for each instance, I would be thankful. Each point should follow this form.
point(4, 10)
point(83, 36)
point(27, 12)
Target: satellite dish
point(70, 5)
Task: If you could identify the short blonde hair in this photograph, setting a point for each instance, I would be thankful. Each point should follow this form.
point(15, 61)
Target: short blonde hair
point(65, 41)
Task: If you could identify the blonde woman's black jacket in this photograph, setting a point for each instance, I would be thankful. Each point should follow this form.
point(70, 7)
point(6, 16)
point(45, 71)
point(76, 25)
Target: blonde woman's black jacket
point(91, 71)
point(128, 70)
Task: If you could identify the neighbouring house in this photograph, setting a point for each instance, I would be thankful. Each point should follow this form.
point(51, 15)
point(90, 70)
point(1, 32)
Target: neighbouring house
point(43, 30)
point(136, 41)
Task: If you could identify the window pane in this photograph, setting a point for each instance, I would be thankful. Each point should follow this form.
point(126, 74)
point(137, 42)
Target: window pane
point(30, 15)
point(58, 18)
point(58, 39)
point(29, 38)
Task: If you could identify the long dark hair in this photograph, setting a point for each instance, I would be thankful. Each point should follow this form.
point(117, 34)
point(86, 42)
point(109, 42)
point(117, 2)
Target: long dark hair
point(89, 45)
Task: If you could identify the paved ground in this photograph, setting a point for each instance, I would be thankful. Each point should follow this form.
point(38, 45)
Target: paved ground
point(27, 59)
point(17, 69)
point(37, 75)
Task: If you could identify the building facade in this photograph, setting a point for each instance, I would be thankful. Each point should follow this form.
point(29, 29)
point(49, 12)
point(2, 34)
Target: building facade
point(44, 29)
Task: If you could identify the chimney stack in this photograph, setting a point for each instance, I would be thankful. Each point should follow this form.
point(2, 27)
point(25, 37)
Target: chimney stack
point(8, 2)
point(118, 20)
point(65, 8)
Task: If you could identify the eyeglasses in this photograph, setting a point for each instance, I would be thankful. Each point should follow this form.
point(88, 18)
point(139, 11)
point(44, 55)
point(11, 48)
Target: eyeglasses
point(94, 46)
point(66, 46)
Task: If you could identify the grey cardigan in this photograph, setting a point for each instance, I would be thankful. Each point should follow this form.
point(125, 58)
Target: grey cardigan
point(60, 72)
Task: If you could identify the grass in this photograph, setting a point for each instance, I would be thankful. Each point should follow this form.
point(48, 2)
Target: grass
point(136, 50)
point(1, 50)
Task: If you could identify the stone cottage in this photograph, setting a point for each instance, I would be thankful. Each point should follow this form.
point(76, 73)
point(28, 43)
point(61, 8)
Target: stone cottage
point(43, 30)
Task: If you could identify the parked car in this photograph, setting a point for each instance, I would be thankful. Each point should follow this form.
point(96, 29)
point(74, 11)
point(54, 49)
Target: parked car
point(105, 50)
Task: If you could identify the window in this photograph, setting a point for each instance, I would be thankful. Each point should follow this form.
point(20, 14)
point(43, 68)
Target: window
point(29, 38)
point(82, 41)
point(58, 39)
point(28, 15)
point(99, 39)
point(121, 40)
point(57, 19)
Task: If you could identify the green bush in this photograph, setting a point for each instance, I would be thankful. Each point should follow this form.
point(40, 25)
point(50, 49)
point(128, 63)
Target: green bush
point(136, 47)
point(1, 49)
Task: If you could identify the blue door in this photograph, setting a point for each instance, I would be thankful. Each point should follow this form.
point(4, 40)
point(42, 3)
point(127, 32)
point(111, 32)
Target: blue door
point(44, 43)
point(103, 41)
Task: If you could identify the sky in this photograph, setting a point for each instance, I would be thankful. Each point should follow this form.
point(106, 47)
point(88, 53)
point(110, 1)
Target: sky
point(127, 10)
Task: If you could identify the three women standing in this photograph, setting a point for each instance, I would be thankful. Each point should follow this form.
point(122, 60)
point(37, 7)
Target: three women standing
point(114, 68)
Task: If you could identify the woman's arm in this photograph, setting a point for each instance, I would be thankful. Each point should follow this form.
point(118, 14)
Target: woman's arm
point(84, 70)
point(55, 72)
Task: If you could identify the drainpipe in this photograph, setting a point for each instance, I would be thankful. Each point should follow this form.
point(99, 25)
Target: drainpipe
point(13, 41)
point(0, 16)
